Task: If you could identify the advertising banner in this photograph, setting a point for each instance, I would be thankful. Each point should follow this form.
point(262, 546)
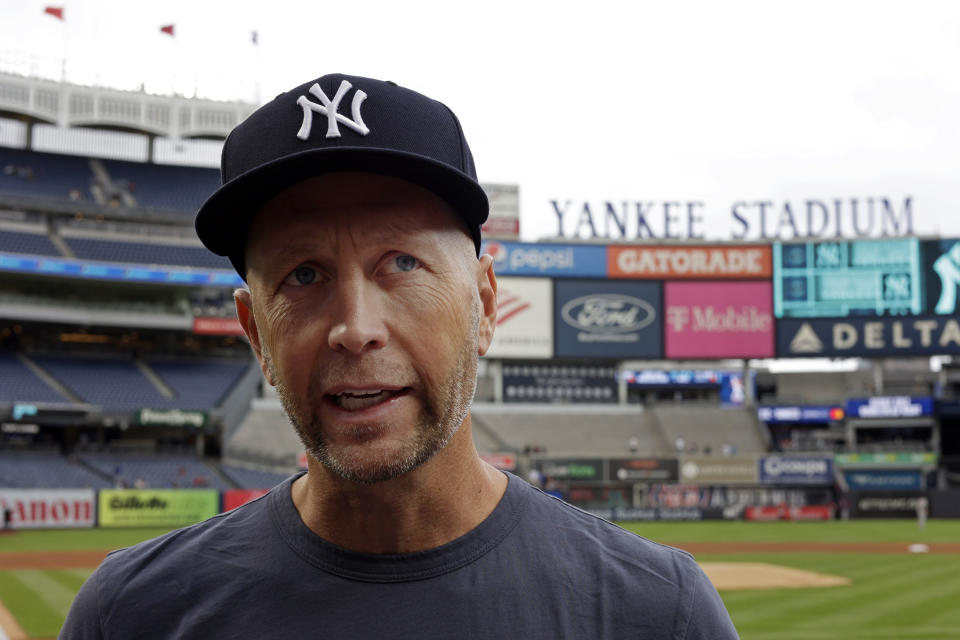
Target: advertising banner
point(524, 319)
point(504, 218)
point(884, 480)
point(234, 498)
point(795, 470)
point(718, 470)
point(885, 459)
point(156, 507)
point(604, 319)
point(48, 508)
point(847, 278)
point(799, 414)
point(718, 320)
point(540, 382)
point(941, 262)
point(217, 327)
point(688, 261)
point(890, 407)
point(171, 417)
point(504, 461)
point(887, 504)
point(863, 337)
point(581, 469)
point(553, 260)
point(783, 512)
point(643, 469)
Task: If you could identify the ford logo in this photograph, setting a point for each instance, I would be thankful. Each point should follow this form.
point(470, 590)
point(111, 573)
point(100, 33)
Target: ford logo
point(608, 313)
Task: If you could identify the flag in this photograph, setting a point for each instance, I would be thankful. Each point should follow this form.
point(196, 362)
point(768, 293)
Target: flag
point(56, 12)
point(254, 38)
point(167, 29)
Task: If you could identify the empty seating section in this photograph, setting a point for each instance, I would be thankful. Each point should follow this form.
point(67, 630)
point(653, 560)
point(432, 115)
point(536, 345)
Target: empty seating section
point(120, 385)
point(164, 186)
point(113, 384)
point(252, 478)
point(265, 437)
point(712, 426)
point(156, 472)
point(26, 470)
point(37, 244)
point(145, 253)
point(570, 432)
point(44, 175)
point(199, 385)
point(19, 384)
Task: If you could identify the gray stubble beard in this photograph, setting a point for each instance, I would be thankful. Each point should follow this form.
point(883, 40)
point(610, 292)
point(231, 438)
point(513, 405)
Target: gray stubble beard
point(439, 420)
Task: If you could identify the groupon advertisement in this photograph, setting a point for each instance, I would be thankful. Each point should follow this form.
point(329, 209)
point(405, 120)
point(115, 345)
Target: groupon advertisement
point(607, 319)
point(156, 507)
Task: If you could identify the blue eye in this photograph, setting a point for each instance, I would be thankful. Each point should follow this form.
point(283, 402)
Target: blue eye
point(302, 275)
point(406, 263)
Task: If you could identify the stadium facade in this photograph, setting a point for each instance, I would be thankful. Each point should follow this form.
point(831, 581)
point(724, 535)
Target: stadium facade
point(638, 380)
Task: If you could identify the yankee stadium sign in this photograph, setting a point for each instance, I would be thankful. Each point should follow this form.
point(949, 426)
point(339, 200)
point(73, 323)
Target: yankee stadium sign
point(754, 219)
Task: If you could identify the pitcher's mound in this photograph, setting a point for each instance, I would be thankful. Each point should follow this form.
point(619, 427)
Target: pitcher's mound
point(761, 575)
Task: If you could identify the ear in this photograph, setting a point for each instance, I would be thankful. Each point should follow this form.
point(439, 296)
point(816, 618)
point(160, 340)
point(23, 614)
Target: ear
point(487, 286)
point(244, 304)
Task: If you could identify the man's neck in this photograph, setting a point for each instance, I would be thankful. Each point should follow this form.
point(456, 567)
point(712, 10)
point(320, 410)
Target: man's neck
point(434, 504)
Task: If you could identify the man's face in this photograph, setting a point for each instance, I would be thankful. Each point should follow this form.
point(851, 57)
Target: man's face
point(366, 310)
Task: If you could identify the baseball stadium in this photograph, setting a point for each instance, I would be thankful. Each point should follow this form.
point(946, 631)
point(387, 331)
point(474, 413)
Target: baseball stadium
point(650, 383)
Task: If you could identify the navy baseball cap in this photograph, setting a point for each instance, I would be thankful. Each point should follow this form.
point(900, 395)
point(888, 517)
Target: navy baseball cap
point(339, 123)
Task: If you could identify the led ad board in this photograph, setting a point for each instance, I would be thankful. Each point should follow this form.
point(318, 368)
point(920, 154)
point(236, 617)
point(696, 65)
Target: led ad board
point(156, 507)
point(68, 268)
point(941, 261)
point(718, 320)
point(813, 470)
point(890, 407)
point(868, 337)
point(603, 319)
point(799, 414)
point(682, 262)
point(539, 382)
point(524, 319)
point(554, 260)
point(847, 278)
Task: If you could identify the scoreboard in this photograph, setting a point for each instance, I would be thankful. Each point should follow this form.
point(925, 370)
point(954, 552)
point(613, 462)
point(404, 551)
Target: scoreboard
point(848, 278)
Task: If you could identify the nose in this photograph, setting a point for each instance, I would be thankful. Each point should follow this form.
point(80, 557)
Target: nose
point(358, 324)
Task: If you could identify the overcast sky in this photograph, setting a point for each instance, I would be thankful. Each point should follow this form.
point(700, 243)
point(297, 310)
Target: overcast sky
point(703, 102)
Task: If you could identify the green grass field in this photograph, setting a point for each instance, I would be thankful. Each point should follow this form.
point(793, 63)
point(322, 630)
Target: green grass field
point(893, 596)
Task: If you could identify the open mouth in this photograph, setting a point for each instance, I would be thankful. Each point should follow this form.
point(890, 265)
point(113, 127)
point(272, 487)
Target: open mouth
point(355, 400)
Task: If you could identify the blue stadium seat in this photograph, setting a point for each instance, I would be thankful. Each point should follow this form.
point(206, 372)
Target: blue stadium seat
point(44, 175)
point(28, 470)
point(145, 253)
point(19, 384)
point(36, 244)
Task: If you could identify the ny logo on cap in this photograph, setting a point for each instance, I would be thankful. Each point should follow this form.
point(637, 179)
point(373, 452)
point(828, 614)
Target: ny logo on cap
point(330, 109)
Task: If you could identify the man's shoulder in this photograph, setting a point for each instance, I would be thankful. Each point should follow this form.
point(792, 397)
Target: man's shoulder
point(562, 523)
point(240, 528)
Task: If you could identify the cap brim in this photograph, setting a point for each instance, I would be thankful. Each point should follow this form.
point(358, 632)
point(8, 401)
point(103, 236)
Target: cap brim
point(223, 220)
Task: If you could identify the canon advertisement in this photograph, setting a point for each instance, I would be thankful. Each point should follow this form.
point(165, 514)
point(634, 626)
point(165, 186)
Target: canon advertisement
point(48, 508)
point(718, 320)
point(608, 319)
point(868, 336)
point(795, 470)
point(524, 312)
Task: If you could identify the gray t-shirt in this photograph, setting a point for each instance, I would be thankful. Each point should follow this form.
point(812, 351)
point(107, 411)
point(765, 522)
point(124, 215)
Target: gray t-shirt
point(535, 568)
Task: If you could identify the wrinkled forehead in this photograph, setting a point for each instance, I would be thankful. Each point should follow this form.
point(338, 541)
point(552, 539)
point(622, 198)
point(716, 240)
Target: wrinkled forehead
point(362, 207)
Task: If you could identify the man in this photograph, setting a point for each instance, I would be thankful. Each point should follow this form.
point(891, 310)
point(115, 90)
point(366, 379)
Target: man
point(357, 230)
